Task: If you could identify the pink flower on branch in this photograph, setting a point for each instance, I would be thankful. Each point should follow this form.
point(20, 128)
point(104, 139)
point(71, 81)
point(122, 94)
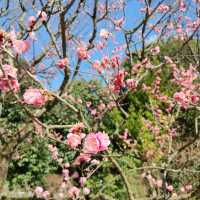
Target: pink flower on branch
point(42, 15)
point(62, 63)
point(82, 53)
point(31, 21)
point(8, 79)
point(105, 34)
point(34, 96)
point(95, 143)
point(73, 140)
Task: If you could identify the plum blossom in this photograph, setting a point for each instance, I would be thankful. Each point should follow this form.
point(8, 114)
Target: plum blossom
point(188, 188)
point(42, 15)
point(31, 21)
point(62, 63)
point(131, 84)
point(82, 53)
point(73, 140)
point(105, 61)
point(169, 188)
point(118, 81)
point(118, 23)
point(77, 128)
point(54, 151)
point(45, 194)
point(83, 157)
point(8, 79)
point(182, 6)
point(34, 96)
point(95, 143)
point(73, 192)
point(19, 46)
point(82, 181)
point(163, 8)
point(97, 66)
point(39, 191)
point(185, 78)
point(75, 175)
point(115, 62)
point(104, 33)
point(65, 174)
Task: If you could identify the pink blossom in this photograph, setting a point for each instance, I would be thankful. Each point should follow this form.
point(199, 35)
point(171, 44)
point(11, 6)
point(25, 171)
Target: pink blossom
point(181, 98)
point(54, 152)
point(111, 105)
point(170, 188)
point(7, 85)
point(91, 144)
point(163, 8)
point(118, 81)
point(77, 128)
point(66, 165)
point(93, 112)
point(65, 173)
point(131, 84)
point(39, 191)
point(182, 6)
point(159, 183)
point(104, 140)
point(88, 104)
point(73, 140)
point(34, 96)
point(8, 79)
point(188, 188)
point(42, 15)
point(105, 61)
point(73, 192)
point(86, 191)
point(62, 63)
point(83, 157)
point(8, 71)
point(96, 142)
point(101, 107)
point(95, 162)
point(115, 62)
point(82, 181)
point(20, 46)
point(104, 33)
point(31, 21)
point(45, 194)
point(182, 189)
point(82, 53)
point(119, 22)
point(75, 175)
point(194, 99)
point(97, 66)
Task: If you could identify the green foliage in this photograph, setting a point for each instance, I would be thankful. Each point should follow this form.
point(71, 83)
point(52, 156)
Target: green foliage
point(34, 163)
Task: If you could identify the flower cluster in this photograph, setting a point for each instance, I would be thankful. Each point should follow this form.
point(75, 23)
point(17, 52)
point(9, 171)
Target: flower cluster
point(8, 79)
point(34, 96)
point(62, 63)
point(82, 53)
point(41, 193)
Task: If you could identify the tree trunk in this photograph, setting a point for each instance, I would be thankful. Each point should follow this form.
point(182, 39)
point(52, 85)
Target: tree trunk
point(4, 162)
